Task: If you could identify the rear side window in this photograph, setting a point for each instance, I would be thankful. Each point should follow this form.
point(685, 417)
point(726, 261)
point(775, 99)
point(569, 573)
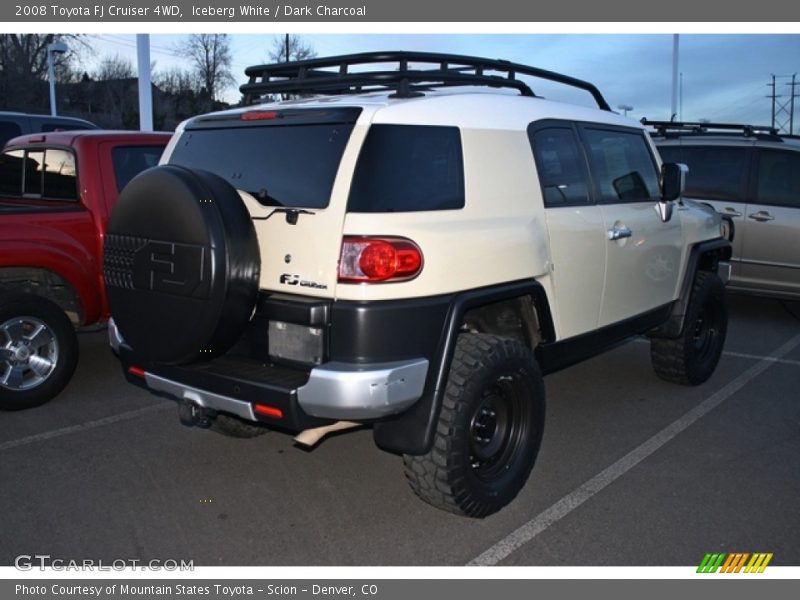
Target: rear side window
point(405, 168)
point(561, 166)
point(291, 165)
point(129, 161)
point(715, 173)
point(779, 178)
point(622, 165)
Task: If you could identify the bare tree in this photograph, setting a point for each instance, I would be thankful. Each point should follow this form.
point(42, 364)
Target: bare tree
point(290, 47)
point(23, 67)
point(210, 56)
point(176, 81)
point(115, 67)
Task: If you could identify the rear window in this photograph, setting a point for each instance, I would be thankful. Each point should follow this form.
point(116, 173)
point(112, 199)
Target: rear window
point(48, 173)
point(715, 173)
point(280, 165)
point(11, 169)
point(129, 161)
point(404, 168)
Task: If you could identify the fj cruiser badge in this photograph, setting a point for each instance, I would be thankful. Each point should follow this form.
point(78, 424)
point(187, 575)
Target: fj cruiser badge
point(289, 279)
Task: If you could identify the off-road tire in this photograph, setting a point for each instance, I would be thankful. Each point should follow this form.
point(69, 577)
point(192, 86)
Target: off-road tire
point(495, 390)
point(691, 358)
point(34, 388)
point(233, 426)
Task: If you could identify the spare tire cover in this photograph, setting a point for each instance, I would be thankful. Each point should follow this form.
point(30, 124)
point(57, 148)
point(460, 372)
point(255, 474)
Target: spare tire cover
point(181, 265)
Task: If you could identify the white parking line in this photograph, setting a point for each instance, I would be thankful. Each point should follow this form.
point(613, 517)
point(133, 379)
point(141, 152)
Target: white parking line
point(782, 361)
point(54, 433)
point(573, 500)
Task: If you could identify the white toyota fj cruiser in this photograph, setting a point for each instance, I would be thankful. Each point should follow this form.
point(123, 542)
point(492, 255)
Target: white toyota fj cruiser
point(411, 244)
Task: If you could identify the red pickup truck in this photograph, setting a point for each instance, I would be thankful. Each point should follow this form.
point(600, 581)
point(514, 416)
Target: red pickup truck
point(56, 193)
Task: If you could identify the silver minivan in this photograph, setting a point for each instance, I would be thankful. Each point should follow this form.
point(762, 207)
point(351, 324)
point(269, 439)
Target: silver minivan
point(751, 175)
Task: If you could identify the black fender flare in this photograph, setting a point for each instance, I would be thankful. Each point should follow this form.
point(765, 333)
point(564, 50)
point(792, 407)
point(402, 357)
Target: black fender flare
point(704, 256)
point(412, 432)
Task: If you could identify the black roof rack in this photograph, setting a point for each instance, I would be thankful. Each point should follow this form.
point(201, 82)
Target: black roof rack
point(310, 76)
point(674, 128)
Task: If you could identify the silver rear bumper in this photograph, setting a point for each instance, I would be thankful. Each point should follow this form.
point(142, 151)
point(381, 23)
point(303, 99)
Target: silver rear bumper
point(335, 390)
point(200, 397)
point(350, 391)
point(114, 337)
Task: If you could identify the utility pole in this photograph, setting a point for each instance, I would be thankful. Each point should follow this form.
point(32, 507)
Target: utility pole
point(782, 106)
point(792, 96)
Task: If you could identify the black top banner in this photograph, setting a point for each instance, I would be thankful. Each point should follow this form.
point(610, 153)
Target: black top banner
point(452, 11)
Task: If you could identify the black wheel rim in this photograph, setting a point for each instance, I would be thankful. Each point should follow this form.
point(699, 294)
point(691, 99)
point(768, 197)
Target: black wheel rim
point(498, 428)
point(706, 332)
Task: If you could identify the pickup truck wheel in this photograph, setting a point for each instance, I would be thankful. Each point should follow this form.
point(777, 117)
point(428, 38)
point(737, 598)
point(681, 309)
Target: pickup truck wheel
point(233, 426)
point(691, 358)
point(38, 351)
point(489, 430)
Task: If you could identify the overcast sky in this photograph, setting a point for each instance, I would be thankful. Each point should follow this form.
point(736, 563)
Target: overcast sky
point(724, 77)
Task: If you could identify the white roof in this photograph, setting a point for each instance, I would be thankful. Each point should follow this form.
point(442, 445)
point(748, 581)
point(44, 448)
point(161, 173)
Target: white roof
point(476, 108)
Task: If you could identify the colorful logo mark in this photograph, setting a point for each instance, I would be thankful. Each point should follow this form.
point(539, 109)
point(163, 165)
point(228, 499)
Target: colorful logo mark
point(735, 563)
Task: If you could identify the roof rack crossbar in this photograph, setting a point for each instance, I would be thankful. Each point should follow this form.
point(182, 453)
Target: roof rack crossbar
point(664, 127)
point(311, 76)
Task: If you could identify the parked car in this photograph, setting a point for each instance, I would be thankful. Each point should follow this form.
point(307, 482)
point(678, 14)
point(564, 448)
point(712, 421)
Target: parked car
point(752, 175)
point(406, 251)
point(56, 193)
point(14, 124)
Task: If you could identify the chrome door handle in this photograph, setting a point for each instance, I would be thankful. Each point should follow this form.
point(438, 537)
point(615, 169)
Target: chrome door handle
point(618, 233)
point(761, 216)
point(730, 212)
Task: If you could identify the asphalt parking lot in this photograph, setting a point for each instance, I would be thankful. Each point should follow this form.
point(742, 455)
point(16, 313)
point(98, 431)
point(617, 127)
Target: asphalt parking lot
point(632, 471)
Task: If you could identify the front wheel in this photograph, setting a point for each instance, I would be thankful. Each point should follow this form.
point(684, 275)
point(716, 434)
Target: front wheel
point(691, 358)
point(489, 430)
point(38, 351)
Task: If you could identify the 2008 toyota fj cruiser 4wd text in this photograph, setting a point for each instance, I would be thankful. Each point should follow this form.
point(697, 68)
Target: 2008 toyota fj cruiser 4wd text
point(411, 251)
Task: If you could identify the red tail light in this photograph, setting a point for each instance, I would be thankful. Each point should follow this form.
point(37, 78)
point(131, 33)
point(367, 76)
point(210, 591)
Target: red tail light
point(373, 260)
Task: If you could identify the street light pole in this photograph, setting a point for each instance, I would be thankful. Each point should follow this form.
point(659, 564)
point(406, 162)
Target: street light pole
point(54, 48)
point(674, 105)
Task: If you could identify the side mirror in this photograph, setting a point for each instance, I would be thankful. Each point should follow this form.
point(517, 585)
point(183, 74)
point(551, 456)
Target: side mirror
point(673, 181)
